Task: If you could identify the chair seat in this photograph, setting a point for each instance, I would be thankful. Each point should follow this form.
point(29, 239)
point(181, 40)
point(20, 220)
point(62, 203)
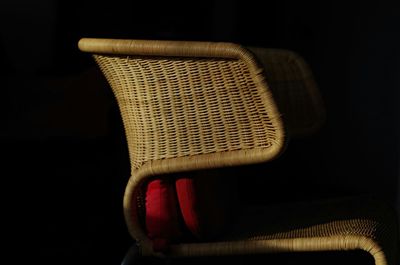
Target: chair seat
point(340, 224)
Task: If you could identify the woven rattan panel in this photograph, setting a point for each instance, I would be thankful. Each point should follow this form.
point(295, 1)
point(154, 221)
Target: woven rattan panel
point(335, 219)
point(315, 219)
point(175, 107)
point(359, 227)
point(292, 83)
point(337, 224)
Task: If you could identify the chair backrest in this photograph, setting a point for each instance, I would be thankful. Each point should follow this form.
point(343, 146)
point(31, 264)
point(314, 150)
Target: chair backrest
point(206, 104)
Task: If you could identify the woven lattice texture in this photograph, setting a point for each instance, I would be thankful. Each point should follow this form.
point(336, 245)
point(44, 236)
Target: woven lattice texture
point(319, 219)
point(176, 107)
point(342, 224)
point(292, 83)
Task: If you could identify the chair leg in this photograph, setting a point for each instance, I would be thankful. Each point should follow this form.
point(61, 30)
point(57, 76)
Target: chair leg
point(132, 256)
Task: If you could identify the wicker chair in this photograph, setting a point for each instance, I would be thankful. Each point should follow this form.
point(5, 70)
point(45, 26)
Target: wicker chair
point(190, 106)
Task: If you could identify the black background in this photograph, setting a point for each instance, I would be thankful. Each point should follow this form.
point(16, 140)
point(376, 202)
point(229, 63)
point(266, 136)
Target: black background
point(65, 157)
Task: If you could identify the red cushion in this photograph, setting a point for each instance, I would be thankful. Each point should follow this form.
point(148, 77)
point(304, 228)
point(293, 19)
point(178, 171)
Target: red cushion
point(162, 213)
point(189, 204)
point(204, 203)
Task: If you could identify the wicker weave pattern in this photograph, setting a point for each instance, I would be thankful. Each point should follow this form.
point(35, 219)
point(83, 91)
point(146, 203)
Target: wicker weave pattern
point(358, 227)
point(344, 224)
point(343, 217)
point(355, 227)
point(177, 107)
point(294, 89)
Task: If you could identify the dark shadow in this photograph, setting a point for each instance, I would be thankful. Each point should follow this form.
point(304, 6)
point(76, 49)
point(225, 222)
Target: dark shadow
point(64, 187)
point(328, 258)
